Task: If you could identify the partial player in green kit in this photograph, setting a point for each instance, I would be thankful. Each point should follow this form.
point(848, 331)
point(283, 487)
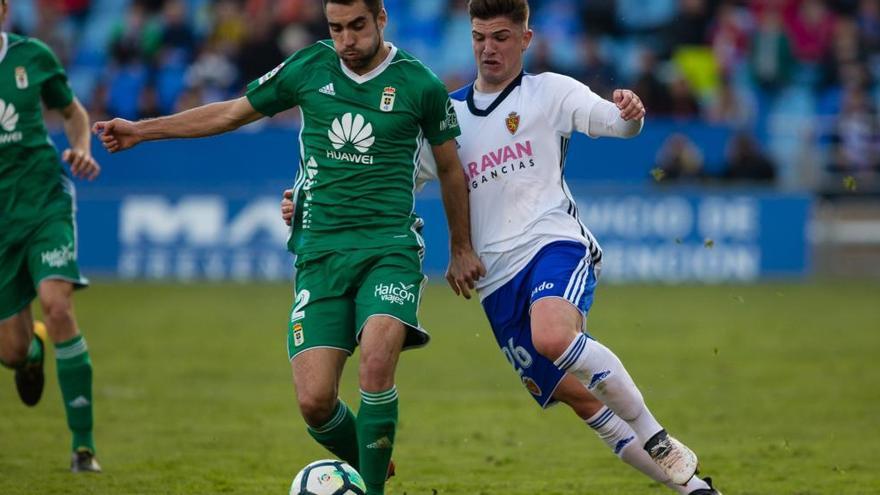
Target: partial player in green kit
point(38, 245)
point(366, 108)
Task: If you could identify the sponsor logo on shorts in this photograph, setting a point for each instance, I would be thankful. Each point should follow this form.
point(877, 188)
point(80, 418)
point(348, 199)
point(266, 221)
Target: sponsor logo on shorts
point(57, 258)
point(532, 386)
point(395, 293)
point(298, 335)
point(541, 288)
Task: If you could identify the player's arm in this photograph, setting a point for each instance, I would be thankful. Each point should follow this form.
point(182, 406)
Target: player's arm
point(464, 265)
point(79, 154)
point(208, 120)
point(623, 118)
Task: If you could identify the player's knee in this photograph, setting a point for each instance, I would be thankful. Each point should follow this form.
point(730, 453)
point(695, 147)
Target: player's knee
point(551, 342)
point(376, 373)
point(316, 409)
point(56, 308)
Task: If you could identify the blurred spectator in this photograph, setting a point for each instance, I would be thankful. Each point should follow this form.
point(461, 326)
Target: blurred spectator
point(593, 70)
point(648, 86)
point(177, 33)
point(680, 159)
point(856, 135)
point(598, 16)
point(540, 59)
point(771, 59)
point(811, 27)
point(682, 101)
point(137, 37)
point(260, 51)
point(745, 64)
point(214, 73)
point(729, 106)
point(746, 162)
point(691, 24)
point(730, 36)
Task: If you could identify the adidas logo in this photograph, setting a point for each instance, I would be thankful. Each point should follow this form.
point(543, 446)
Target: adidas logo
point(79, 402)
point(8, 116)
point(328, 90)
point(351, 129)
point(382, 443)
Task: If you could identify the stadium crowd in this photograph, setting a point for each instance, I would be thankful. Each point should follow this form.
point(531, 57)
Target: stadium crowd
point(796, 81)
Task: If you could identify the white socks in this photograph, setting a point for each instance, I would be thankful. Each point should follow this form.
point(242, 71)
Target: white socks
point(617, 434)
point(604, 375)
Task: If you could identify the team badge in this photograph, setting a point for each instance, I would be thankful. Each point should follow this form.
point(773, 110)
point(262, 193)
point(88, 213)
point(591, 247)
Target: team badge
point(21, 79)
point(388, 95)
point(531, 386)
point(512, 122)
point(298, 337)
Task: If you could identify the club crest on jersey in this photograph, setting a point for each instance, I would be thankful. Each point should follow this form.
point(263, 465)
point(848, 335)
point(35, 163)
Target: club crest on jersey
point(388, 95)
point(512, 122)
point(21, 79)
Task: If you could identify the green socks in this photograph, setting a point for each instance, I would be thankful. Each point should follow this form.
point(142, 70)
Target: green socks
point(339, 435)
point(75, 380)
point(376, 424)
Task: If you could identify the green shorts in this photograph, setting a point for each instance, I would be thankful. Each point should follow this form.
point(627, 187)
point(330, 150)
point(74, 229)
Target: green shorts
point(336, 293)
point(29, 255)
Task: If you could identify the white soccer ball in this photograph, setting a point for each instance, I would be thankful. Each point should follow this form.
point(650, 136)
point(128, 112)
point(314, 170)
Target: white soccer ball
point(328, 477)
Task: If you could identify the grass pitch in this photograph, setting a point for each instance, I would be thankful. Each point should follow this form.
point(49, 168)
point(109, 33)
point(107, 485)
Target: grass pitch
point(775, 386)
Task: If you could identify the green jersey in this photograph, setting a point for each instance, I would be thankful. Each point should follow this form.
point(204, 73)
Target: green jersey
point(359, 145)
point(33, 184)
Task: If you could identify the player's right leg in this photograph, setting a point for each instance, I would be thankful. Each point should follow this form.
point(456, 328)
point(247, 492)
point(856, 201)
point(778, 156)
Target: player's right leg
point(320, 337)
point(618, 435)
point(562, 283)
point(23, 351)
point(18, 349)
point(316, 375)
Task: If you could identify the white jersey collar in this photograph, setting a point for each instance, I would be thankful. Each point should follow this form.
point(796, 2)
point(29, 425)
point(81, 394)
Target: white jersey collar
point(5, 47)
point(360, 79)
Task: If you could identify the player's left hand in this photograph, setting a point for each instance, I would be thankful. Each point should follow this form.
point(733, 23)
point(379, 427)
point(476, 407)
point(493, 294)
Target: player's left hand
point(287, 207)
point(82, 164)
point(629, 103)
point(465, 268)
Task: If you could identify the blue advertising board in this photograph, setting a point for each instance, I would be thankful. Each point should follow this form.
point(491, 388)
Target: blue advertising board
point(208, 209)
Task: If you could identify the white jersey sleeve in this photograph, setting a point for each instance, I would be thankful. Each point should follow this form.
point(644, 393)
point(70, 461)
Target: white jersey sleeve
point(567, 103)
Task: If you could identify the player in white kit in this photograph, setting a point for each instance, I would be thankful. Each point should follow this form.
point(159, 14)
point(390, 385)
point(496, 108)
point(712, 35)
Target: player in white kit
point(542, 263)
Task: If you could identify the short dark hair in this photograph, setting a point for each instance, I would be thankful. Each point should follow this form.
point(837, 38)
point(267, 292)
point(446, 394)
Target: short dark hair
point(515, 10)
point(374, 6)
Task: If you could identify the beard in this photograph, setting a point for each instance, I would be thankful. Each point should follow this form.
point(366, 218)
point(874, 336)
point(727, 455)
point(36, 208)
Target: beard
point(361, 59)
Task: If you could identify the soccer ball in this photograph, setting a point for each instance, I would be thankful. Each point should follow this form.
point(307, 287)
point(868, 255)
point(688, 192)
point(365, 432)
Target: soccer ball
point(328, 477)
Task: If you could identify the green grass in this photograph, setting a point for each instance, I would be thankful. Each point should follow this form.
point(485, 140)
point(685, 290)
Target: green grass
point(775, 386)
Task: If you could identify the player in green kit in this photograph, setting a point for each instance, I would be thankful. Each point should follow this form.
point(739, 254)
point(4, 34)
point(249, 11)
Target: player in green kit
point(38, 233)
point(366, 108)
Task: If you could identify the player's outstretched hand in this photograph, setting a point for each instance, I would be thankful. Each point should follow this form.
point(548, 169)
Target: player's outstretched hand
point(629, 103)
point(287, 206)
point(465, 268)
point(117, 134)
point(82, 164)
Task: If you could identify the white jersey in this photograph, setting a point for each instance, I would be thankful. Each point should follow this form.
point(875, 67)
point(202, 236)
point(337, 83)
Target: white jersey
point(513, 153)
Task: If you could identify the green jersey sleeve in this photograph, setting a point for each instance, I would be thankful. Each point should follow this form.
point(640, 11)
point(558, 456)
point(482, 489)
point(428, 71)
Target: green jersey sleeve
point(55, 91)
point(439, 122)
point(279, 89)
